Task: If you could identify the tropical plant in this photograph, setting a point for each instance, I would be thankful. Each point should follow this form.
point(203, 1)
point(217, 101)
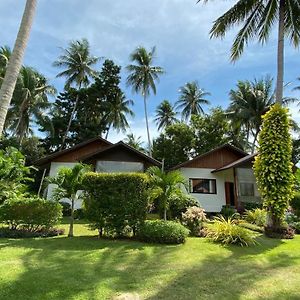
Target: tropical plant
point(164, 185)
point(256, 216)
point(117, 110)
point(191, 99)
point(5, 54)
point(15, 61)
point(142, 77)
point(69, 184)
point(165, 115)
point(193, 219)
point(258, 17)
point(30, 102)
point(273, 166)
point(227, 231)
point(77, 63)
point(134, 142)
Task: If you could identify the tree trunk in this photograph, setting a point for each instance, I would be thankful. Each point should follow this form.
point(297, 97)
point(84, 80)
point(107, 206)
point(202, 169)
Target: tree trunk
point(165, 214)
point(70, 122)
point(15, 61)
point(108, 129)
point(280, 53)
point(71, 233)
point(254, 141)
point(147, 126)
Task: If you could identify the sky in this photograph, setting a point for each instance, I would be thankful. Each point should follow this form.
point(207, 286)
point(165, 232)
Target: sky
point(178, 28)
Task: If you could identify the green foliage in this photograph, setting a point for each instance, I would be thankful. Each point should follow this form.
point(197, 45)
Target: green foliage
point(251, 226)
point(227, 231)
point(295, 203)
point(164, 232)
point(115, 201)
point(256, 216)
point(33, 213)
point(165, 115)
point(273, 166)
point(175, 145)
point(13, 174)
point(193, 219)
point(228, 211)
point(66, 208)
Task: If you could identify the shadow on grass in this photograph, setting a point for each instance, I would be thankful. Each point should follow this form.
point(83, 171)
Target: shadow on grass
point(89, 268)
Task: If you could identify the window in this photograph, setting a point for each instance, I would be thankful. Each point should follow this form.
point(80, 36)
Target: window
point(247, 189)
point(203, 186)
point(118, 166)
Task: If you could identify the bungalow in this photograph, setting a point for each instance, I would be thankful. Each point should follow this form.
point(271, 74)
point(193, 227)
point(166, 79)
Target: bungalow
point(222, 176)
point(102, 155)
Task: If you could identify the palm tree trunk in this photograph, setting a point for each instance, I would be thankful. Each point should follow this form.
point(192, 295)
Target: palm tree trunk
point(147, 125)
point(15, 61)
point(70, 122)
point(280, 53)
point(71, 233)
point(106, 136)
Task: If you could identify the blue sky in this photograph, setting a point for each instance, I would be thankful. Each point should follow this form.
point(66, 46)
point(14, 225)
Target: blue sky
point(178, 28)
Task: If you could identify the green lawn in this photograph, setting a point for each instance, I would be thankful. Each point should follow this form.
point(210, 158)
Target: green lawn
point(85, 267)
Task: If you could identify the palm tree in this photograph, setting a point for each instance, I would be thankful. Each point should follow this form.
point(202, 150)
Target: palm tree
point(118, 109)
point(134, 142)
point(165, 115)
point(15, 62)
point(30, 101)
point(69, 183)
point(5, 54)
point(77, 63)
point(191, 100)
point(165, 185)
point(258, 18)
point(142, 77)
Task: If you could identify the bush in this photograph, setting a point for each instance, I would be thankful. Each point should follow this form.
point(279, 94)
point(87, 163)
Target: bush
point(115, 201)
point(296, 226)
point(295, 204)
point(251, 205)
point(291, 218)
point(66, 208)
point(284, 232)
point(79, 214)
point(163, 232)
point(226, 231)
point(193, 219)
point(228, 212)
point(32, 214)
point(252, 227)
point(25, 233)
point(180, 203)
point(257, 216)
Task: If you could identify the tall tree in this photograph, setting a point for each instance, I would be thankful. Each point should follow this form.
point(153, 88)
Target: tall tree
point(5, 54)
point(15, 61)
point(258, 18)
point(77, 63)
point(165, 115)
point(191, 99)
point(143, 77)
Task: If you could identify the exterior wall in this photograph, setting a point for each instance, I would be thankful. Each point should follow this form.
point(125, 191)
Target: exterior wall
point(246, 175)
point(210, 202)
point(118, 166)
point(55, 166)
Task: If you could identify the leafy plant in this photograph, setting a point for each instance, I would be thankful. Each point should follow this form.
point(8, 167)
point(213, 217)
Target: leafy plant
point(256, 216)
point(228, 211)
point(251, 226)
point(295, 203)
point(227, 231)
point(273, 166)
point(193, 219)
point(164, 232)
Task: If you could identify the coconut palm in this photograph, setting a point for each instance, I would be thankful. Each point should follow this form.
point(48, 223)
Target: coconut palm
point(15, 62)
point(258, 18)
point(134, 142)
point(165, 185)
point(191, 100)
point(30, 101)
point(77, 63)
point(143, 77)
point(165, 115)
point(69, 184)
point(5, 54)
point(118, 109)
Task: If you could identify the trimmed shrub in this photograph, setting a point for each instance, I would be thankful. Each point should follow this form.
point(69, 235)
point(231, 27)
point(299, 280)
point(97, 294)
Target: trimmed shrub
point(227, 231)
point(295, 204)
point(228, 212)
point(180, 203)
point(116, 200)
point(24, 233)
point(257, 216)
point(32, 214)
point(193, 219)
point(163, 232)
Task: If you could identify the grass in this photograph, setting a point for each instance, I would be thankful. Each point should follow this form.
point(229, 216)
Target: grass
point(85, 267)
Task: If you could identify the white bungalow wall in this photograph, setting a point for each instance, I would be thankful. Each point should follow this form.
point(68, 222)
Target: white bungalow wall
point(210, 202)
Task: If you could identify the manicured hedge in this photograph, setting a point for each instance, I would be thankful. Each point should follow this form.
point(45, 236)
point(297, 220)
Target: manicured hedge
point(116, 201)
point(164, 232)
point(32, 214)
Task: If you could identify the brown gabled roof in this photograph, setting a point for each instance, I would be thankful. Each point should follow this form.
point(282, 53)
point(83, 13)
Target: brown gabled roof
point(89, 157)
point(57, 154)
point(236, 163)
point(228, 146)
